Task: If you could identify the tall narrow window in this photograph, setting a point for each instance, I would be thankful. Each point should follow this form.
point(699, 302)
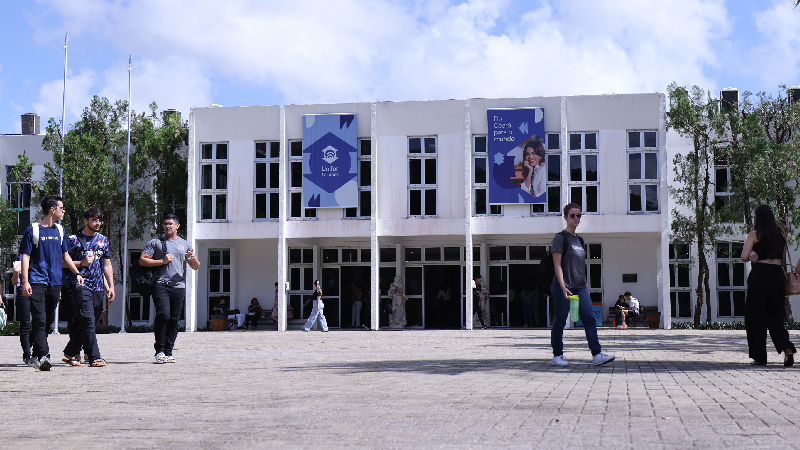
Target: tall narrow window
point(364, 209)
point(297, 209)
point(731, 280)
point(266, 180)
point(480, 180)
point(680, 293)
point(422, 176)
point(643, 168)
point(214, 181)
point(219, 277)
point(584, 182)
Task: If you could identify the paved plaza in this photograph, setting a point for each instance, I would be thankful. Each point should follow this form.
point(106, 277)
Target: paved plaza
point(405, 389)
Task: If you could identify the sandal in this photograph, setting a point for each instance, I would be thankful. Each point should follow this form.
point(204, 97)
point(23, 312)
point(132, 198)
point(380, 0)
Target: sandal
point(99, 362)
point(72, 360)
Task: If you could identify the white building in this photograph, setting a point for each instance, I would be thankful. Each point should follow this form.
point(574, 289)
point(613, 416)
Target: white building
point(249, 229)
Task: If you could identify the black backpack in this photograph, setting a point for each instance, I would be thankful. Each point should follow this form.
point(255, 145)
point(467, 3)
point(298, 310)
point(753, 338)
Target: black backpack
point(144, 278)
point(547, 270)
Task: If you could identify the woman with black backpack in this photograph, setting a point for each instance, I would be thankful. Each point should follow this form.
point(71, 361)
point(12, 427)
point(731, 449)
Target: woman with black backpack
point(569, 262)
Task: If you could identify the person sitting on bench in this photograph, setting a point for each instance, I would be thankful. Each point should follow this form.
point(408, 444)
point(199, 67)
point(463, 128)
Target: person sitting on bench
point(222, 309)
point(633, 305)
point(622, 311)
point(253, 313)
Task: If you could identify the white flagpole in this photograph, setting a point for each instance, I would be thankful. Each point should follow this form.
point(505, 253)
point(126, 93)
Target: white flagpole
point(124, 259)
point(63, 137)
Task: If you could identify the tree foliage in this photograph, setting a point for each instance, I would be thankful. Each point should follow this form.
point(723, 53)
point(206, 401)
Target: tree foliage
point(695, 116)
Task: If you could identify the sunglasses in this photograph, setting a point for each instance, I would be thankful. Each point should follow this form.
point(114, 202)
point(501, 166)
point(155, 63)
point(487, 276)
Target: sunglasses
point(575, 216)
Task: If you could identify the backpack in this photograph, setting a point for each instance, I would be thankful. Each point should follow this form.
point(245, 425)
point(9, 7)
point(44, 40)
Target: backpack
point(35, 236)
point(547, 270)
point(143, 278)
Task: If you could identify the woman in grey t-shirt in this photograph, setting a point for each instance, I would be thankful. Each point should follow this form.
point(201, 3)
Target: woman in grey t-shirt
point(569, 261)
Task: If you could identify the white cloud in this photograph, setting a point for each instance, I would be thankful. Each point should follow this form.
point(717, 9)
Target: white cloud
point(777, 59)
point(78, 95)
point(357, 50)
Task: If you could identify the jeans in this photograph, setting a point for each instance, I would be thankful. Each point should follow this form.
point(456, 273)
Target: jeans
point(561, 306)
point(316, 315)
point(356, 319)
point(44, 300)
point(168, 301)
point(80, 302)
point(23, 312)
point(764, 310)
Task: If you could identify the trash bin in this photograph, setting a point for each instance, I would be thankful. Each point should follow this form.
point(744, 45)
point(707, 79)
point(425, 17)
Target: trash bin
point(218, 323)
point(654, 319)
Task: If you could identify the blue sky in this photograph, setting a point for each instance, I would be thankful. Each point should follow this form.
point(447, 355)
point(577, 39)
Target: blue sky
point(251, 52)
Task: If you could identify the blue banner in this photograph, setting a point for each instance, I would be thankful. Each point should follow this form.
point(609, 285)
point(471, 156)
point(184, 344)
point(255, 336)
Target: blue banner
point(516, 146)
point(330, 161)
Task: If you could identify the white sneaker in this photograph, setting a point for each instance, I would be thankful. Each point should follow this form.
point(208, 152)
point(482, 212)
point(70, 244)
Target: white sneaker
point(559, 361)
point(601, 358)
point(160, 358)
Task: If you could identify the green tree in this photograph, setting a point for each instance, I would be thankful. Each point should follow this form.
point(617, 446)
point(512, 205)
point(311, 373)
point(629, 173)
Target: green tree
point(695, 116)
point(8, 237)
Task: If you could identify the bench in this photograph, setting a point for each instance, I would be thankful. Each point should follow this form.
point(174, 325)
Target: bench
point(633, 321)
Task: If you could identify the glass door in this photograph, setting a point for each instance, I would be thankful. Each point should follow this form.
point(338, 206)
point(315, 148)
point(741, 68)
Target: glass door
point(498, 296)
point(415, 312)
point(331, 296)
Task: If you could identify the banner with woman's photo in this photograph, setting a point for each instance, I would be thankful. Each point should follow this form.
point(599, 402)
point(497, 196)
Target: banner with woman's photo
point(516, 147)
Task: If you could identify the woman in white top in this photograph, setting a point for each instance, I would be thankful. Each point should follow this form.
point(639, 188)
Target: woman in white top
point(533, 168)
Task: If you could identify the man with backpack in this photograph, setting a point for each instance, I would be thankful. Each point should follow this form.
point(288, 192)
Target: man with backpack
point(86, 302)
point(43, 250)
point(169, 255)
point(569, 264)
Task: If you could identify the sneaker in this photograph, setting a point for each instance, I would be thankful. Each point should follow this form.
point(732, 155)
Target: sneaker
point(559, 361)
point(27, 360)
point(305, 329)
point(601, 358)
point(170, 359)
point(72, 360)
point(98, 362)
point(161, 358)
point(43, 363)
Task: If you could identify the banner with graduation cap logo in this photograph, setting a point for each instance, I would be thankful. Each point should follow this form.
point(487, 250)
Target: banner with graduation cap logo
point(330, 162)
point(516, 150)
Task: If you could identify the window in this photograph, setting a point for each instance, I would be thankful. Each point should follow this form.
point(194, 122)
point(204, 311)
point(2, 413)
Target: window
point(214, 181)
point(219, 277)
point(643, 172)
point(296, 208)
point(722, 190)
point(422, 176)
point(680, 294)
point(480, 180)
point(19, 196)
point(594, 271)
point(364, 209)
point(584, 184)
point(267, 180)
point(731, 280)
point(301, 280)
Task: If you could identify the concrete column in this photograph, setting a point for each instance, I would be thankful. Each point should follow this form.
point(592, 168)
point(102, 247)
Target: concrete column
point(191, 201)
point(468, 215)
point(662, 254)
point(282, 250)
point(374, 245)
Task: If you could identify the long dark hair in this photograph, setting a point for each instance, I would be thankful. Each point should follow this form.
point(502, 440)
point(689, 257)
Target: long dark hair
point(768, 232)
point(538, 149)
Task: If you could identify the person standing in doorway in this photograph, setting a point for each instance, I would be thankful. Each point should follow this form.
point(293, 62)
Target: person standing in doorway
point(569, 261)
point(43, 249)
point(92, 250)
point(356, 319)
point(275, 307)
point(169, 292)
point(764, 306)
point(476, 300)
point(316, 313)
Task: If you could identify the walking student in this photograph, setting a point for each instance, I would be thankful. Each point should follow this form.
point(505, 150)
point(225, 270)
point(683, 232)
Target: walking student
point(476, 300)
point(92, 250)
point(316, 313)
point(169, 293)
point(569, 262)
point(43, 250)
point(22, 305)
point(764, 308)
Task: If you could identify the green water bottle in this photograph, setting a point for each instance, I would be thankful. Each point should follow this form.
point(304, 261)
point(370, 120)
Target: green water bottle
point(574, 303)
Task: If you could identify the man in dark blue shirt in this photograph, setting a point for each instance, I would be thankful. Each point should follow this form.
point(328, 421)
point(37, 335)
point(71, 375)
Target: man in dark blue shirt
point(43, 249)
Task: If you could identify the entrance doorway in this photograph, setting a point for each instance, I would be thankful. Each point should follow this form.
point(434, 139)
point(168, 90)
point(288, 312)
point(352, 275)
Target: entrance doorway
point(442, 296)
point(359, 277)
point(522, 278)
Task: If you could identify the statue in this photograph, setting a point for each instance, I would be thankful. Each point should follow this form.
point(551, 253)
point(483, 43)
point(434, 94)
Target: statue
point(396, 292)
